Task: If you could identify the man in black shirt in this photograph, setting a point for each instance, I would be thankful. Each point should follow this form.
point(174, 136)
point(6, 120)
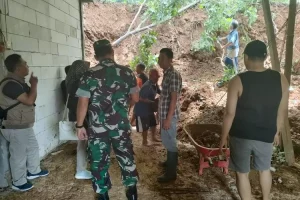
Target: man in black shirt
point(257, 104)
point(140, 70)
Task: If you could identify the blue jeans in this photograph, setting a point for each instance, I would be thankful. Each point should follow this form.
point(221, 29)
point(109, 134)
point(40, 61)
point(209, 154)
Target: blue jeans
point(168, 137)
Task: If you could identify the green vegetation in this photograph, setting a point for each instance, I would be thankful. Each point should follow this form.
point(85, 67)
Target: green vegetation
point(144, 52)
point(220, 14)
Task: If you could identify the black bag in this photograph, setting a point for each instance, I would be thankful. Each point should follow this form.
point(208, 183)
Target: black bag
point(3, 112)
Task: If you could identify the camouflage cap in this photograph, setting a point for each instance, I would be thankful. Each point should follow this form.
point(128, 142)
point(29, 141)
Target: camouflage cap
point(101, 43)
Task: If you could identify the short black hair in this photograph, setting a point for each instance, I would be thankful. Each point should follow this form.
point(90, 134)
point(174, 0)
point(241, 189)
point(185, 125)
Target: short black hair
point(168, 52)
point(102, 48)
point(141, 66)
point(67, 68)
point(103, 51)
point(234, 26)
point(256, 50)
point(12, 61)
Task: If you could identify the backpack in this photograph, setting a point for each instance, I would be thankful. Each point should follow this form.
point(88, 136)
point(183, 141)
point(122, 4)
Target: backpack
point(3, 112)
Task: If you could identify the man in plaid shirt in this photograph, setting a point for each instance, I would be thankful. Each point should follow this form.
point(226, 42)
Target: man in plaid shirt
point(169, 113)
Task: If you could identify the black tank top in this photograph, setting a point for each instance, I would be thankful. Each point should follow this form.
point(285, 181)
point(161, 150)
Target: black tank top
point(256, 111)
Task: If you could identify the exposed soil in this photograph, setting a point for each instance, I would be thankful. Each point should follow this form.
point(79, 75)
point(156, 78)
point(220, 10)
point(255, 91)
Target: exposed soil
point(208, 139)
point(201, 102)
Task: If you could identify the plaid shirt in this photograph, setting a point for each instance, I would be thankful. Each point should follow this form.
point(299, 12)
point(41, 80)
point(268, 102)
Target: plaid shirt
point(172, 82)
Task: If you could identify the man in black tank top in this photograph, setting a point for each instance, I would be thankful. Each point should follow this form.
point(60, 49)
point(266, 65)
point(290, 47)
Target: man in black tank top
point(257, 103)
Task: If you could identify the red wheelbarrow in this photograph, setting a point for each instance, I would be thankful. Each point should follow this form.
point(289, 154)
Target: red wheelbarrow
point(206, 154)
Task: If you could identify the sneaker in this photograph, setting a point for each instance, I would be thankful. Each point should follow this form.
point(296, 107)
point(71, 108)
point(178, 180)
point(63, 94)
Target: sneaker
point(22, 188)
point(34, 176)
point(83, 175)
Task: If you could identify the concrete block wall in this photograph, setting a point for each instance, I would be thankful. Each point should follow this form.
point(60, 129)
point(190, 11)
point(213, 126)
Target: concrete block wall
point(47, 35)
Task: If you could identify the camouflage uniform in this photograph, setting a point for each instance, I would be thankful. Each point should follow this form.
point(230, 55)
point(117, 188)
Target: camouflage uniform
point(108, 86)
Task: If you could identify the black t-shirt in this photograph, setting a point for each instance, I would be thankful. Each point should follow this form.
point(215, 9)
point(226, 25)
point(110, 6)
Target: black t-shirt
point(143, 77)
point(13, 89)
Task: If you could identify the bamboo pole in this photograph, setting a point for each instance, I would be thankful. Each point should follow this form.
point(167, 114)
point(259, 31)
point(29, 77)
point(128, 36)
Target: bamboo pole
point(286, 134)
point(271, 35)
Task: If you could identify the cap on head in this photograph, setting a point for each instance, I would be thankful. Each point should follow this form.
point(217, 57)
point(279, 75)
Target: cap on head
point(256, 50)
point(102, 47)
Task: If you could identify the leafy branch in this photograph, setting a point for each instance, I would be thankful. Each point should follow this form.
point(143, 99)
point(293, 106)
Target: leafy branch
point(157, 12)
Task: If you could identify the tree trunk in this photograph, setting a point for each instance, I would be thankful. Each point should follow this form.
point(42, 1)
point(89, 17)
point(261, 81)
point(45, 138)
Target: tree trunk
point(271, 35)
point(290, 40)
point(286, 134)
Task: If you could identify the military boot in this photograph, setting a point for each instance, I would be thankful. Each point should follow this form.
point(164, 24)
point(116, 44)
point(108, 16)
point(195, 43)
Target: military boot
point(131, 192)
point(171, 168)
point(103, 196)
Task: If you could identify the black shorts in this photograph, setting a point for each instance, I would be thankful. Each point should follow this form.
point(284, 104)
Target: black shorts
point(144, 123)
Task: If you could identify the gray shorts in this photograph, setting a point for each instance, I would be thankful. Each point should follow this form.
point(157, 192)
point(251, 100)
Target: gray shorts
point(241, 151)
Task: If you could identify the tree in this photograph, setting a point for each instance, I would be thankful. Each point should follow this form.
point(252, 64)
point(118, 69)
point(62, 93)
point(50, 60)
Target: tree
point(290, 39)
point(287, 141)
point(271, 35)
point(157, 12)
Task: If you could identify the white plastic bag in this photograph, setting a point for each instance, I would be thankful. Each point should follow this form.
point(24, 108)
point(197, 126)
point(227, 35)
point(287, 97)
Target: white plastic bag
point(67, 129)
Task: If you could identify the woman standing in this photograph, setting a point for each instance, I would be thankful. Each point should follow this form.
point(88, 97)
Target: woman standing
point(77, 69)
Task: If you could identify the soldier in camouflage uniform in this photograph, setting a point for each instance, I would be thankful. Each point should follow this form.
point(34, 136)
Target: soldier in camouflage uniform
point(104, 93)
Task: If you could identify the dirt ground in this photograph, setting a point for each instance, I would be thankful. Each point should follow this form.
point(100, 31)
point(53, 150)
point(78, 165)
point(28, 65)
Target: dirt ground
point(202, 102)
point(212, 185)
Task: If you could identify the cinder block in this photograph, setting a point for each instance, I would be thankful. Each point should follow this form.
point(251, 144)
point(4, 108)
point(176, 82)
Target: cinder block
point(73, 32)
point(74, 12)
point(56, 13)
point(78, 52)
point(19, 11)
point(50, 72)
point(62, 6)
point(79, 43)
point(78, 25)
point(52, 84)
point(79, 33)
point(73, 42)
point(45, 21)
point(40, 59)
point(21, 2)
point(59, 38)
point(44, 46)
point(74, 3)
point(21, 43)
point(60, 61)
point(36, 71)
point(39, 32)
point(63, 50)
point(39, 6)
point(61, 27)
point(72, 59)
point(54, 48)
point(62, 72)
point(39, 125)
point(70, 21)
point(2, 17)
point(17, 26)
point(52, 2)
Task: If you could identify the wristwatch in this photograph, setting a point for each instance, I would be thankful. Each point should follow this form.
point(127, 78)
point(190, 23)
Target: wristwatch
point(78, 126)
